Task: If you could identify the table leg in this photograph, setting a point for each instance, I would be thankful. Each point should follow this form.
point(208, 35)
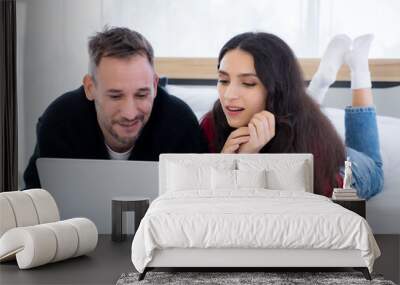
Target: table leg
point(140, 211)
point(116, 221)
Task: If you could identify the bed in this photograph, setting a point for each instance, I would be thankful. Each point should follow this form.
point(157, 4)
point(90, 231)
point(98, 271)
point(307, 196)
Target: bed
point(383, 210)
point(247, 211)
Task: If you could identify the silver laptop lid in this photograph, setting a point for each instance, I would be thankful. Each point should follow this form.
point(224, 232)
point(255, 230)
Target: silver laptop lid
point(85, 188)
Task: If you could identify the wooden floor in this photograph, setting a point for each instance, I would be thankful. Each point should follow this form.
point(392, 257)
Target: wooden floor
point(110, 260)
point(389, 262)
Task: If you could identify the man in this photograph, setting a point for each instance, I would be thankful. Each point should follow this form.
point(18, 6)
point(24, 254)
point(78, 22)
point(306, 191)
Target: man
point(119, 112)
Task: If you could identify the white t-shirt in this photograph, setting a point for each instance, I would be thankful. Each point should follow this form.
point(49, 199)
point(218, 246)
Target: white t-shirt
point(119, 155)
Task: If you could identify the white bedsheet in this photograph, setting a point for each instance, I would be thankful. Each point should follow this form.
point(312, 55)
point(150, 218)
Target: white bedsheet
point(252, 218)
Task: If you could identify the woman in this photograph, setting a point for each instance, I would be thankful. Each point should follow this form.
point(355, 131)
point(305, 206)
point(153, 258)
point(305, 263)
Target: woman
point(263, 107)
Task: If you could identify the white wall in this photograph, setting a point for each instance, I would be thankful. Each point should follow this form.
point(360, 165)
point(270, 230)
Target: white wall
point(52, 37)
point(51, 57)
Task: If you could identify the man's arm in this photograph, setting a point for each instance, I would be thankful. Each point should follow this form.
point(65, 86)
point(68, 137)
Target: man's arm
point(31, 176)
point(51, 142)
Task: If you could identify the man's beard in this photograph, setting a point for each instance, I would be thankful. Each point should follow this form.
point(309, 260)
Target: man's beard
point(126, 142)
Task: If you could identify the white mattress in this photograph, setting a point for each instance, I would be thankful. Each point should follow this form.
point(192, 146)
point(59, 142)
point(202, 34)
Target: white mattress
point(252, 218)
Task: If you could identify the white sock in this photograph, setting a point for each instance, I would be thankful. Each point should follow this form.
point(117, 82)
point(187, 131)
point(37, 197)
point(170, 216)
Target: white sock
point(357, 60)
point(331, 61)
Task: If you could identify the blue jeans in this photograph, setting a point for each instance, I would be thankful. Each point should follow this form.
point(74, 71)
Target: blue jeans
point(362, 147)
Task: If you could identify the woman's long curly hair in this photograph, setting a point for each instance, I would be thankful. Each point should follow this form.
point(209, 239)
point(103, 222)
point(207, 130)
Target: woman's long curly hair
point(301, 127)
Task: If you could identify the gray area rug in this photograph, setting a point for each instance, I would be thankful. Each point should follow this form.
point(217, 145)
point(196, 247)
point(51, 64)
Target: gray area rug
point(226, 278)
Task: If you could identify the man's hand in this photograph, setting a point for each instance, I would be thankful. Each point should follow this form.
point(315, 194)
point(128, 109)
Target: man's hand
point(261, 129)
point(235, 139)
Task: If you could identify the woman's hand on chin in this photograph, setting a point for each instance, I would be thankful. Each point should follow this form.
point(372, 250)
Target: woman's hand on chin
point(261, 129)
point(237, 138)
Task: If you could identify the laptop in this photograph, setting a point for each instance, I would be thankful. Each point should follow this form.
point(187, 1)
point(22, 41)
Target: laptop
point(85, 187)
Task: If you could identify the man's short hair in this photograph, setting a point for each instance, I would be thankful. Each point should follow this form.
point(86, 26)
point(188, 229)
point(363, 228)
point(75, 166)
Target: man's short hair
point(117, 42)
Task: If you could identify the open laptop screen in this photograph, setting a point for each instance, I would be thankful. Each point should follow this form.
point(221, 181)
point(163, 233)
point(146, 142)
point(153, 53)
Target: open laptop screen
point(85, 188)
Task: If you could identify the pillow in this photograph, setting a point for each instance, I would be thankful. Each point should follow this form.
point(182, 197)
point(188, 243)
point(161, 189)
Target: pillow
point(187, 177)
point(289, 179)
point(192, 171)
point(251, 178)
point(223, 179)
point(281, 173)
point(237, 179)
